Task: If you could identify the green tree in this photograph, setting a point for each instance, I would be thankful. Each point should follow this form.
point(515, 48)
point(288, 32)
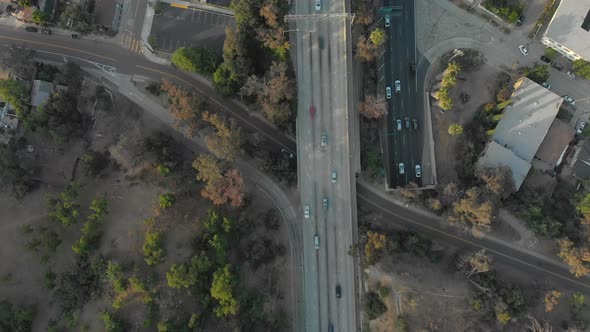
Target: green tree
point(40, 17)
point(19, 319)
point(153, 247)
point(111, 322)
point(222, 290)
point(577, 301)
point(582, 68)
point(378, 36)
point(154, 41)
point(455, 129)
point(91, 231)
point(167, 200)
point(374, 307)
point(195, 59)
point(15, 93)
point(187, 275)
point(539, 73)
point(25, 3)
point(551, 53)
point(64, 208)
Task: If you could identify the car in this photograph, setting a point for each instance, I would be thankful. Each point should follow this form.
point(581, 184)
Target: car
point(523, 50)
point(402, 169)
point(31, 29)
point(520, 20)
point(338, 291)
point(325, 202)
point(75, 36)
point(330, 327)
point(306, 212)
point(318, 4)
point(415, 122)
point(46, 31)
point(387, 21)
point(570, 100)
point(388, 92)
point(557, 66)
point(399, 124)
point(398, 86)
point(546, 85)
point(333, 176)
point(418, 170)
point(413, 67)
point(580, 127)
point(324, 138)
point(545, 59)
point(316, 242)
point(407, 123)
point(311, 111)
point(570, 74)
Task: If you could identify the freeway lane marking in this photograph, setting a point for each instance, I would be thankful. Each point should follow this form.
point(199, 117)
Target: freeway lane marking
point(58, 46)
point(218, 104)
point(473, 243)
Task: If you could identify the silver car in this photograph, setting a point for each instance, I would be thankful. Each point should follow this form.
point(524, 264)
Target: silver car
point(306, 212)
point(318, 5)
point(387, 21)
point(325, 202)
point(388, 92)
point(402, 169)
point(418, 170)
point(399, 124)
point(324, 138)
point(570, 100)
point(333, 176)
point(398, 86)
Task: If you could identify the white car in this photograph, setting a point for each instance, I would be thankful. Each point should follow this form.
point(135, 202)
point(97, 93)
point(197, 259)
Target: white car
point(398, 86)
point(581, 126)
point(570, 100)
point(306, 212)
point(402, 169)
point(333, 176)
point(387, 21)
point(388, 92)
point(418, 171)
point(318, 5)
point(325, 202)
point(316, 242)
point(523, 50)
point(546, 85)
point(399, 124)
point(324, 138)
point(570, 74)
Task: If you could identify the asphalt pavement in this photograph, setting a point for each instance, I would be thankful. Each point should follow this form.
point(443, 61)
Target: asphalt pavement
point(325, 171)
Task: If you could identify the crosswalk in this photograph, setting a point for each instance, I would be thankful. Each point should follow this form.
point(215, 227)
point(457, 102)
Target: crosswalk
point(131, 43)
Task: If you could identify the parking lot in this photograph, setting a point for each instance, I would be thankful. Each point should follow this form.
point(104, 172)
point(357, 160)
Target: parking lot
point(177, 27)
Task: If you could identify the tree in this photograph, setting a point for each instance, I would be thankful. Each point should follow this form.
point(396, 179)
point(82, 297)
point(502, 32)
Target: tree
point(222, 290)
point(185, 108)
point(455, 129)
point(372, 108)
point(536, 326)
point(582, 68)
point(475, 262)
point(376, 242)
point(503, 316)
point(236, 65)
point(539, 73)
point(551, 299)
point(578, 259)
point(154, 41)
point(374, 307)
point(111, 322)
point(195, 59)
point(227, 140)
point(221, 185)
point(167, 200)
point(40, 17)
point(188, 275)
point(474, 210)
point(64, 208)
point(365, 50)
point(583, 207)
point(18, 60)
point(153, 247)
point(577, 301)
point(94, 162)
point(498, 181)
point(91, 232)
point(19, 318)
point(61, 117)
point(75, 18)
point(15, 93)
point(450, 194)
point(378, 37)
point(76, 284)
point(25, 3)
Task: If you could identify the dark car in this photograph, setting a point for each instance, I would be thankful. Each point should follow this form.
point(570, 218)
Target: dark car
point(31, 29)
point(557, 66)
point(75, 36)
point(520, 20)
point(545, 59)
point(46, 31)
point(338, 291)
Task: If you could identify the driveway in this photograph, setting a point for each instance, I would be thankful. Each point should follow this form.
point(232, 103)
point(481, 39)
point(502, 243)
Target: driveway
point(178, 27)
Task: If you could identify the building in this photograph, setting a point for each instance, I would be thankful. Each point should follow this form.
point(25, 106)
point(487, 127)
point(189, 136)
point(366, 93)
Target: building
point(522, 130)
point(569, 30)
point(554, 146)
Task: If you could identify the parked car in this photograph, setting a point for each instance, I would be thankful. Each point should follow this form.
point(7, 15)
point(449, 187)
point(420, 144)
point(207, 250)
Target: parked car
point(31, 29)
point(388, 92)
point(557, 66)
point(407, 123)
point(418, 170)
point(570, 74)
point(46, 31)
point(545, 59)
point(520, 20)
point(546, 85)
point(402, 169)
point(398, 86)
point(399, 124)
point(387, 21)
point(415, 124)
point(306, 212)
point(75, 36)
point(570, 100)
point(580, 127)
point(338, 291)
point(523, 50)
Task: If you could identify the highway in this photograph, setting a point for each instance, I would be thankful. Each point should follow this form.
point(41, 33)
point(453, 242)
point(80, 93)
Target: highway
point(324, 68)
point(402, 145)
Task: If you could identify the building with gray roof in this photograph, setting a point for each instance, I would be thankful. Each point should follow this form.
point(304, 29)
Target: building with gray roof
point(569, 30)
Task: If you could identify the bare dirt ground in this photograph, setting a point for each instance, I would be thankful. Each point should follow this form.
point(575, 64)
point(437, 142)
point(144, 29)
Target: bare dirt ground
point(131, 200)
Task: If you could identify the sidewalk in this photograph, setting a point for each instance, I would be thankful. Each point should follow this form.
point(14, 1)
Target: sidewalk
point(195, 5)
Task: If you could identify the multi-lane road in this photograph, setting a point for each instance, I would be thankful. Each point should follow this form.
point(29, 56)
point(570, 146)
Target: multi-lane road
point(326, 179)
point(403, 137)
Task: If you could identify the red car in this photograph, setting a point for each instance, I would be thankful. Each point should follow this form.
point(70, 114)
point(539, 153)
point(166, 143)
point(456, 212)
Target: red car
point(311, 111)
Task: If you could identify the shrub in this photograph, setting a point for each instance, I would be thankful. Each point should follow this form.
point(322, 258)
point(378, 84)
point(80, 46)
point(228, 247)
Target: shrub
point(153, 247)
point(374, 307)
point(166, 200)
point(196, 59)
point(455, 129)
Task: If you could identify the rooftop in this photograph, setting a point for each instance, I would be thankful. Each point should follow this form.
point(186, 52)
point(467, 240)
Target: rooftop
point(40, 92)
point(526, 122)
point(555, 142)
point(566, 27)
point(495, 155)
